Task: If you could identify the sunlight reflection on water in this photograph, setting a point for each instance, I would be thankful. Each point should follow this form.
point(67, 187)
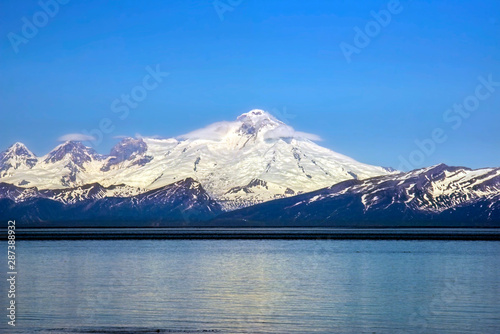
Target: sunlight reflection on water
point(257, 286)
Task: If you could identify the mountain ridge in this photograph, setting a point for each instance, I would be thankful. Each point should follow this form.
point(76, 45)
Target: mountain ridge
point(181, 203)
point(223, 157)
point(439, 195)
point(254, 171)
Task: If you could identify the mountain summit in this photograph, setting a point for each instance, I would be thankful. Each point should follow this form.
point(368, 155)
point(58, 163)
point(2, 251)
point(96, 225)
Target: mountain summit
point(256, 120)
point(254, 159)
point(17, 156)
point(252, 171)
point(74, 151)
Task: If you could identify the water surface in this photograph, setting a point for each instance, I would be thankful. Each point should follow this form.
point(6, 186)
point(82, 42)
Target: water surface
point(256, 286)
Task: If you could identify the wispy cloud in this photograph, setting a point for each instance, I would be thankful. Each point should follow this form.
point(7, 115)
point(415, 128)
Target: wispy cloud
point(215, 131)
point(76, 137)
point(139, 136)
point(285, 131)
point(120, 137)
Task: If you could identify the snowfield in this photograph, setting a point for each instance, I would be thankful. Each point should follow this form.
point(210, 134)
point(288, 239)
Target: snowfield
point(254, 159)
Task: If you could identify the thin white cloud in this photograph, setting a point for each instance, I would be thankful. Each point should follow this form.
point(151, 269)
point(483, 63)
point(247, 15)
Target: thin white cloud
point(215, 131)
point(139, 136)
point(286, 131)
point(76, 137)
point(306, 135)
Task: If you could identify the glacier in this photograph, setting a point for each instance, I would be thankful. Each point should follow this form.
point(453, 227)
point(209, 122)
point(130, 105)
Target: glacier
point(253, 159)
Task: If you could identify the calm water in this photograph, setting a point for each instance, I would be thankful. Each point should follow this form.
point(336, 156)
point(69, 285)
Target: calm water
point(256, 286)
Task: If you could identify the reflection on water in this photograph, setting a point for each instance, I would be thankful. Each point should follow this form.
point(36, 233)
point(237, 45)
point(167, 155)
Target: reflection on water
point(257, 286)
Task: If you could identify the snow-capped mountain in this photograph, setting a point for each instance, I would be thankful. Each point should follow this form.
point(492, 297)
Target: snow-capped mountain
point(70, 159)
point(74, 152)
point(16, 157)
point(182, 203)
point(254, 159)
point(434, 196)
point(128, 152)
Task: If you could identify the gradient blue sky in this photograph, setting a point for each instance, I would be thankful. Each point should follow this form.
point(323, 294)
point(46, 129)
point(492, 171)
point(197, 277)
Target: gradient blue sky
point(272, 55)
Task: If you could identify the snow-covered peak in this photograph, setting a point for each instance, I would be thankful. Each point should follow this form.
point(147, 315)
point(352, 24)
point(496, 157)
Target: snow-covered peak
point(257, 113)
point(256, 124)
point(19, 149)
point(261, 124)
point(16, 156)
point(251, 159)
point(255, 120)
point(249, 124)
point(74, 151)
point(129, 149)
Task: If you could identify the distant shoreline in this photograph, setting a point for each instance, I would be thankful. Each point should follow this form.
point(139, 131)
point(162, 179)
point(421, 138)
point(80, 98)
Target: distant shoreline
point(492, 234)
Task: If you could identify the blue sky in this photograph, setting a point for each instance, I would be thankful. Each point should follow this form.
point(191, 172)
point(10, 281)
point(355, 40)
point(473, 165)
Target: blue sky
point(281, 56)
